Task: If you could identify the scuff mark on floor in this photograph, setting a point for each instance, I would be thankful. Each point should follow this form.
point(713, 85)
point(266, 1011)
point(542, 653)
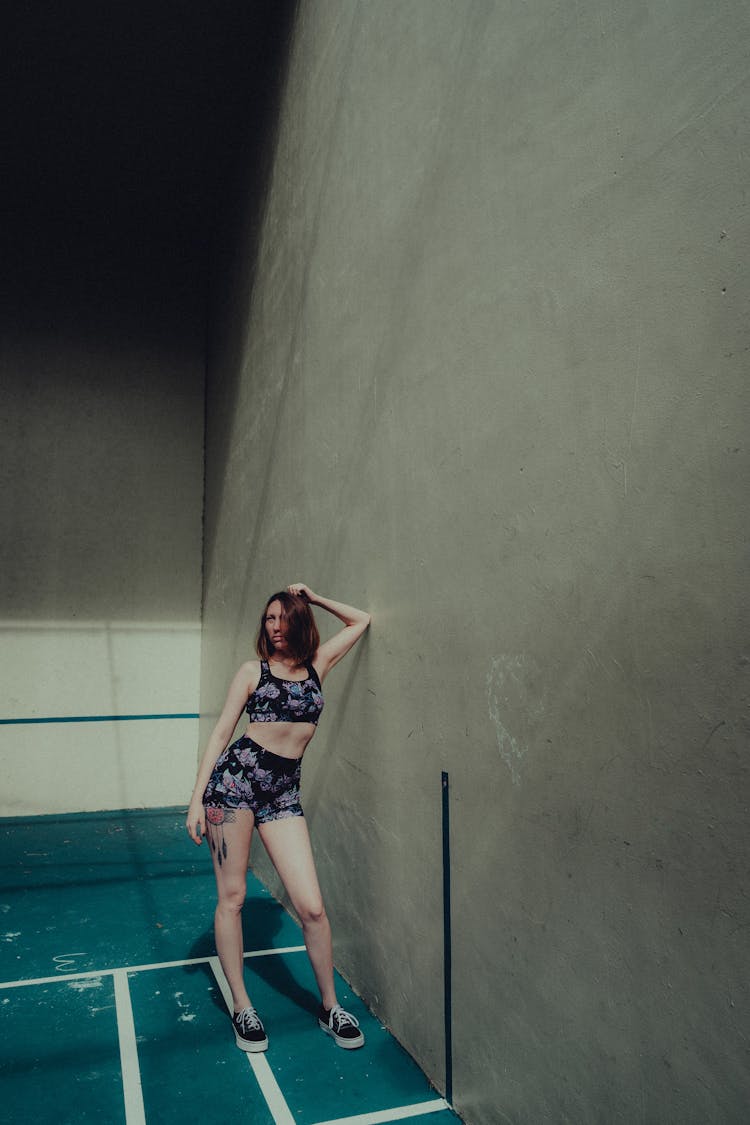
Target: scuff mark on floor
point(66, 961)
point(85, 985)
point(186, 1016)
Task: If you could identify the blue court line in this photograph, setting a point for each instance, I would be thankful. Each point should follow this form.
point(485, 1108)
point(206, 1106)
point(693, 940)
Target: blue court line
point(96, 718)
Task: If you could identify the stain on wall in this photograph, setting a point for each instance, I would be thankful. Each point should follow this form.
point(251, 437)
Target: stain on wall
point(515, 688)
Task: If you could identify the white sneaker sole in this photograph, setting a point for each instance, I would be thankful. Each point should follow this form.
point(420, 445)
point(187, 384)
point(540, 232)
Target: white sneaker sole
point(250, 1047)
point(347, 1044)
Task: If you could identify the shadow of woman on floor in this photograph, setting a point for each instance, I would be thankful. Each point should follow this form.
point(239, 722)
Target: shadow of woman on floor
point(262, 919)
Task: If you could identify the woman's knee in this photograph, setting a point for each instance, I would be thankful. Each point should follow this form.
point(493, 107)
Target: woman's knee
point(232, 897)
point(312, 913)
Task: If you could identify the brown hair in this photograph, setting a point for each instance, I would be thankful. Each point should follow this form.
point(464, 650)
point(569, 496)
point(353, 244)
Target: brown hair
point(302, 636)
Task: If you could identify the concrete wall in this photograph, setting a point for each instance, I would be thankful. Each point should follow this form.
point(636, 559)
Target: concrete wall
point(101, 555)
point(119, 130)
point(480, 365)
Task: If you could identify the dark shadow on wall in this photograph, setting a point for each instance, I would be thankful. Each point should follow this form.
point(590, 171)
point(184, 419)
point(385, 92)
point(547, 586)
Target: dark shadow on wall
point(232, 269)
point(126, 128)
point(123, 126)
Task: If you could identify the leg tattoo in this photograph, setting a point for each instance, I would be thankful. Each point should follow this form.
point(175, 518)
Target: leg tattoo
point(216, 818)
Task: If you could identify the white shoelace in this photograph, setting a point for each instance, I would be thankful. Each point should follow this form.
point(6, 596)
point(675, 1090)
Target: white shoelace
point(343, 1018)
point(248, 1016)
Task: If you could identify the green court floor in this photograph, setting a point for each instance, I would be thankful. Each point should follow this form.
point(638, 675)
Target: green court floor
point(113, 1004)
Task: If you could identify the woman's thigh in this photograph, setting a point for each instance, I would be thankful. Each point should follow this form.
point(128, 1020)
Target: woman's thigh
point(287, 842)
point(229, 833)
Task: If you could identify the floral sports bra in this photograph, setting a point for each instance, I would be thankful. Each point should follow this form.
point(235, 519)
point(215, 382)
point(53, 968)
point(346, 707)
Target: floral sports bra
point(285, 701)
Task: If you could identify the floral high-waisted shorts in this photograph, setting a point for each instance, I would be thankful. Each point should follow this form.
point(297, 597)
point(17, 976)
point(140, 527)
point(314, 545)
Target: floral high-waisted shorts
point(248, 777)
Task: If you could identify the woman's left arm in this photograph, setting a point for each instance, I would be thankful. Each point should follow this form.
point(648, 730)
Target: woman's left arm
point(355, 623)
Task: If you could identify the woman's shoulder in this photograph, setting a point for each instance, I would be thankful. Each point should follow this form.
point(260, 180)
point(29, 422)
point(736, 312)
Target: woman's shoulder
point(244, 683)
point(250, 671)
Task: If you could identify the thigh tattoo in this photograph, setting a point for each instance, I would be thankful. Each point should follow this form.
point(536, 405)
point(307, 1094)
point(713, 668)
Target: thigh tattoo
point(216, 818)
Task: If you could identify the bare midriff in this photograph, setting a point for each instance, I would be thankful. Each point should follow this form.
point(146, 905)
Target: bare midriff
point(288, 740)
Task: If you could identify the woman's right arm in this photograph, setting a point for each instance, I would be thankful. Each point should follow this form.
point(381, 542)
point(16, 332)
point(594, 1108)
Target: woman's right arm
point(240, 688)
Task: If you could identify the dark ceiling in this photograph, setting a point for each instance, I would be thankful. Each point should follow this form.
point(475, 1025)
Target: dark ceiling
point(123, 126)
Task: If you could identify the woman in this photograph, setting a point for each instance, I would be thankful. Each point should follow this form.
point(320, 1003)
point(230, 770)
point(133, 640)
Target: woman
point(255, 782)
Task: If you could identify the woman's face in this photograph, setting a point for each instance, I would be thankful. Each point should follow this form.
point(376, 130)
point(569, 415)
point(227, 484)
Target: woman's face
point(276, 625)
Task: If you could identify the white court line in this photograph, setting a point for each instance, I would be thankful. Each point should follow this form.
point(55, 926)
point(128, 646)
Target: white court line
point(265, 1078)
point(61, 977)
point(395, 1114)
point(131, 1071)
point(281, 949)
point(264, 1075)
point(58, 978)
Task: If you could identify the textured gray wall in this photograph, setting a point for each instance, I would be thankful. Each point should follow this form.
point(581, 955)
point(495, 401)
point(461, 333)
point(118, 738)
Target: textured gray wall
point(479, 365)
point(102, 465)
point(101, 496)
point(119, 129)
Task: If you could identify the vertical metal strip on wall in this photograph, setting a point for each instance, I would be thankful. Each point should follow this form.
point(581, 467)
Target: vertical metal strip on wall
point(447, 977)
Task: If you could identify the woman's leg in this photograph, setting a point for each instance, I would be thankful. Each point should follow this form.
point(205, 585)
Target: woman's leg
point(287, 842)
point(229, 833)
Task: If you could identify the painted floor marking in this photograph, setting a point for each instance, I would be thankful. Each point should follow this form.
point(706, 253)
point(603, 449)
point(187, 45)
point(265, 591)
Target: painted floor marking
point(419, 1109)
point(60, 978)
point(264, 1076)
point(269, 1087)
point(131, 1071)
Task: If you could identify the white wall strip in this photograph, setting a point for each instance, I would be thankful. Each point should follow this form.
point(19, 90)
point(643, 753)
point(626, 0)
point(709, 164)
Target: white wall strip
point(131, 1071)
point(398, 1113)
point(264, 1076)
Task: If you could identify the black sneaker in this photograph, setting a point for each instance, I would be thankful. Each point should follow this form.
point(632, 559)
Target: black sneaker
point(342, 1027)
point(249, 1031)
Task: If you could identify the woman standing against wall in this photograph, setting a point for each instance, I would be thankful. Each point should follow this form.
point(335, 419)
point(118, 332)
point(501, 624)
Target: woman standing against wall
point(255, 782)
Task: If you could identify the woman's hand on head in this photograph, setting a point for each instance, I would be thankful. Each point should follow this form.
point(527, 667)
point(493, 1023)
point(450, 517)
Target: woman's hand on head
point(301, 591)
point(195, 821)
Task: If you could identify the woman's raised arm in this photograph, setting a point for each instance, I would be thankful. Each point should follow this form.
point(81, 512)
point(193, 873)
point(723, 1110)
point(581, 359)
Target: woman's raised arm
point(355, 623)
